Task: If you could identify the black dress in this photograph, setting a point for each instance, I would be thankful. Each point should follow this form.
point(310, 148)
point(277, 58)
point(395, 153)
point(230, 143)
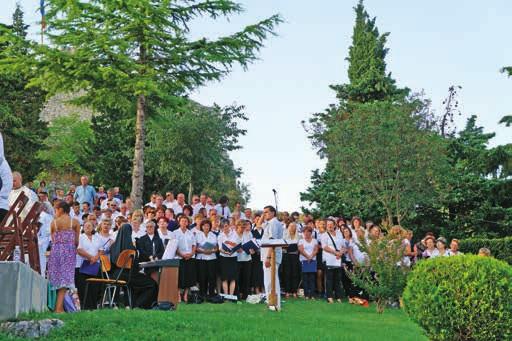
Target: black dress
point(257, 265)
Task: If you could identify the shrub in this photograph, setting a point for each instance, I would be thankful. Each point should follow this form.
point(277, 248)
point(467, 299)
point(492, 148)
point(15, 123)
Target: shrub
point(501, 248)
point(382, 275)
point(461, 298)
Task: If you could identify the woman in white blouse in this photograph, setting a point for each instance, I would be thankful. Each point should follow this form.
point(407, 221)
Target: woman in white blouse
point(105, 237)
point(185, 251)
point(228, 260)
point(163, 231)
point(308, 248)
point(243, 235)
point(331, 245)
point(206, 259)
point(88, 249)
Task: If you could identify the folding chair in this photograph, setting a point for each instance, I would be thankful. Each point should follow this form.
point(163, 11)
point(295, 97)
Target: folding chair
point(124, 262)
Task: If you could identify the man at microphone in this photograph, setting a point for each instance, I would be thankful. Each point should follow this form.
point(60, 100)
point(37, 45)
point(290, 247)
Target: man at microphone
point(272, 229)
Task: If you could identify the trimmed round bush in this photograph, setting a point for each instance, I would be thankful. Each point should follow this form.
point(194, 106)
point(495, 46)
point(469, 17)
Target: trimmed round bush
point(461, 298)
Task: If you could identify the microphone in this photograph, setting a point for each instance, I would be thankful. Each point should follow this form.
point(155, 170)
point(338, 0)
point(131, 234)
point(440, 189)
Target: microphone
point(273, 190)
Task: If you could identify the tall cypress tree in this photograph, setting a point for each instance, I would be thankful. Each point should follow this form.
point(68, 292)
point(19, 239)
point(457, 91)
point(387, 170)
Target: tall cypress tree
point(368, 81)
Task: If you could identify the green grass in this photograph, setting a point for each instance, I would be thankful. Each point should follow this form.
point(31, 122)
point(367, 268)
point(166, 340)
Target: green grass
point(298, 320)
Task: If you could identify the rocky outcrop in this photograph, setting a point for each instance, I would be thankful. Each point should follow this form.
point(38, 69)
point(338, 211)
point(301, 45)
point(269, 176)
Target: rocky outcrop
point(30, 329)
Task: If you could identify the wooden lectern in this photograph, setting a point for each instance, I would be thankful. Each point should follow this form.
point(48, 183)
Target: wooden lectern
point(272, 300)
point(167, 279)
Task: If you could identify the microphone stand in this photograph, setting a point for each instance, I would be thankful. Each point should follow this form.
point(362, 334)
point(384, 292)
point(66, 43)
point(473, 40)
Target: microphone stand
point(275, 199)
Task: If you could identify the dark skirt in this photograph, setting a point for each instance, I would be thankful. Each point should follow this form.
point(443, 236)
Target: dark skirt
point(187, 273)
point(228, 268)
point(319, 260)
point(257, 272)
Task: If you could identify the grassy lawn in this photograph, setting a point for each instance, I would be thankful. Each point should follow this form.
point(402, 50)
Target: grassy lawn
point(298, 320)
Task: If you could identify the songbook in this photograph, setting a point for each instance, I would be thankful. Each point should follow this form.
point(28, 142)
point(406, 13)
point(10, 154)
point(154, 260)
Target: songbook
point(208, 246)
point(232, 249)
point(309, 266)
point(250, 245)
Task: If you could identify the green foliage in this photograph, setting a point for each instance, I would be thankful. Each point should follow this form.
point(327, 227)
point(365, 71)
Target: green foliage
point(21, 128)
point(331, 191)
point(189, 150)
point(367, 67)
point(396, 163)
point(67, 149)
point(383, 275)
point(299, 320)
point(113, 148)
point(474, 195)
point(501, 248)
point(461, 298)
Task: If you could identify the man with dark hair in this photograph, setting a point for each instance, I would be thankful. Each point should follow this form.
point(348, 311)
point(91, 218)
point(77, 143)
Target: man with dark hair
point(222, 207)
point(272, 229)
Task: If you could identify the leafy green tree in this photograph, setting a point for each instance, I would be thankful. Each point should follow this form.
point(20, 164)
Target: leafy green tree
point(21, 127)
point(138, 54)
point(397, 163)
point(188, 150)
point(67, 148)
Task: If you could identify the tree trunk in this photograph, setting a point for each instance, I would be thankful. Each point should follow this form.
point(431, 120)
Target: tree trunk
point(138, 157)
point(190, 188)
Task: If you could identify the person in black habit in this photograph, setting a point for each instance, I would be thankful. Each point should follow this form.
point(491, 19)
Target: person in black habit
point(150, 247)
point(144, 289)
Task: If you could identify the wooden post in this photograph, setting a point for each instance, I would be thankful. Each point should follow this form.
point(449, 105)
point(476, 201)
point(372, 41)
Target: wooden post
point(272, 301)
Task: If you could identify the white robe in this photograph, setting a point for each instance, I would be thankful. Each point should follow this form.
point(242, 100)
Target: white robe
point(6, 178)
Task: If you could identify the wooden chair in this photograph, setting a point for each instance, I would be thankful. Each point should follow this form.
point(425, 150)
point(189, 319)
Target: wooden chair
point(124, 263)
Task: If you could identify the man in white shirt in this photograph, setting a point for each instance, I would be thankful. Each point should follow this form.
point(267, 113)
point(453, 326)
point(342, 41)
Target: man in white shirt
point(17, 188)
point(272, 229)
point(222, 208)
point(169, 200)
point(202, 204)
point(179, 204)
point(152, 202)
point(110, 197)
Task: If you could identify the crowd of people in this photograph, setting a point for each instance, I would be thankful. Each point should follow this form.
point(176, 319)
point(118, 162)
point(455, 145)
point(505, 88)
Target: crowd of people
point(219, 248)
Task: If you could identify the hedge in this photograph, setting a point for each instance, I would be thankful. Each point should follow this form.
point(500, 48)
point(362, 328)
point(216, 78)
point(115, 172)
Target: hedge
point(501, 248)
point(461, 298)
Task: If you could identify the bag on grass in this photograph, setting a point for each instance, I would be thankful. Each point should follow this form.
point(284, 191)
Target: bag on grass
point(52, 297)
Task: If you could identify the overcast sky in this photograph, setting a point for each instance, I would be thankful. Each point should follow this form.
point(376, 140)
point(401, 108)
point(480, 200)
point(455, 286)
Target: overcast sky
point(433, 44)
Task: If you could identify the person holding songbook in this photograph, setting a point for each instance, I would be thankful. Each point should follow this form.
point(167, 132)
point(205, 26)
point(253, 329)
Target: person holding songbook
point(228, 248)
point(332, 255)
point(291, 264)
point(206, 258)
point(308, 248)
point(243, 236)
point(185, 252)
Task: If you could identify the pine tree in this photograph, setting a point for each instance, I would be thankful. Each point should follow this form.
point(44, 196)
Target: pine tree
point(138, 54)
point(18, 25)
